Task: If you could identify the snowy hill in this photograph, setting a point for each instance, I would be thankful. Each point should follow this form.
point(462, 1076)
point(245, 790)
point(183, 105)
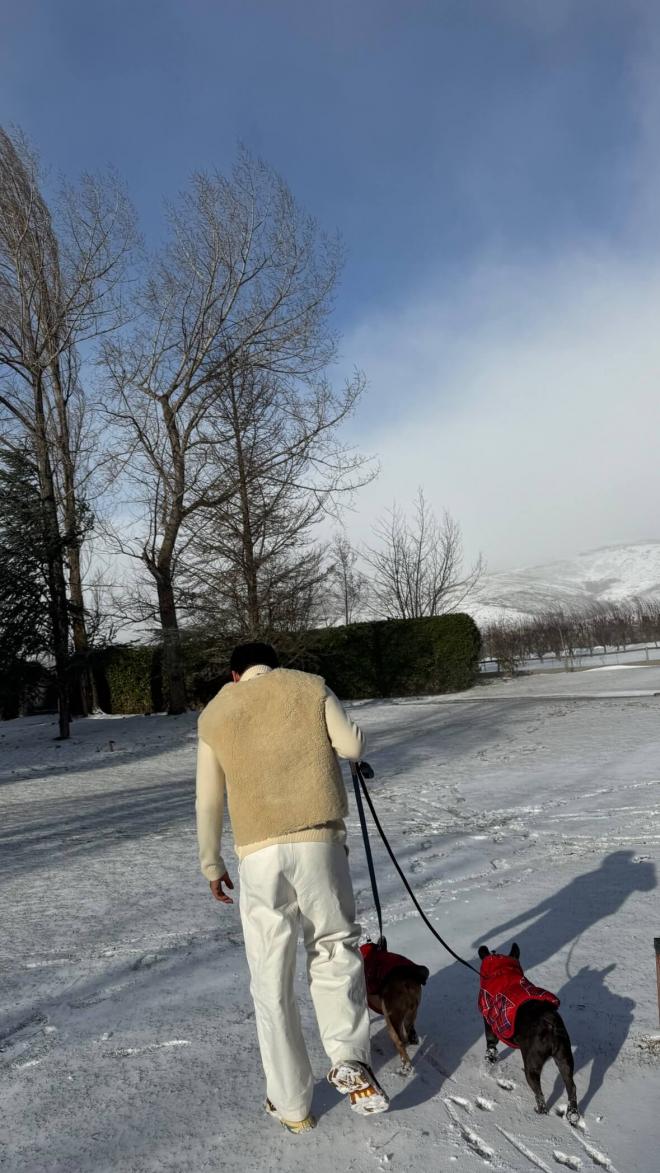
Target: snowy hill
point(603, 575)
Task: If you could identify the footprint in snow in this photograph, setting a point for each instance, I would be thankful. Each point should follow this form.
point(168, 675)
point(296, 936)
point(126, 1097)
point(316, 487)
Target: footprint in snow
point(462, 1102)
point(472, 1138)
point(564, 1159)
point(485, 1105)
point(507, 1085)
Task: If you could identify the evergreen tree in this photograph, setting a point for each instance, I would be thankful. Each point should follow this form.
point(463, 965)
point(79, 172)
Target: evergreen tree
point(24, 623)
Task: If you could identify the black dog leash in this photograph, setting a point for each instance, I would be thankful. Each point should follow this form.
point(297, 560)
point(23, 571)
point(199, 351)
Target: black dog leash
point(358, 771)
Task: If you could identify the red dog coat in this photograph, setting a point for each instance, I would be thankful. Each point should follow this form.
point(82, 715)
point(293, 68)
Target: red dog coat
point(379, 965)
point(504, 988)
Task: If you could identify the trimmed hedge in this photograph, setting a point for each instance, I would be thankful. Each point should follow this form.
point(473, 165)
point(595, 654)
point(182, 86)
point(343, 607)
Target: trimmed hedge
point(128, 679)
point(394, 657)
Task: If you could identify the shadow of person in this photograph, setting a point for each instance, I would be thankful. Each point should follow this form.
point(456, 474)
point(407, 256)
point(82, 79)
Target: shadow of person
point(567, 914)
point(600, 1023)
point(449, 1022)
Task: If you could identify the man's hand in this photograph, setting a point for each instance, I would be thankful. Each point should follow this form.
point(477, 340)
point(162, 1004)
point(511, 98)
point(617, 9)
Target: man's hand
point(217, 891)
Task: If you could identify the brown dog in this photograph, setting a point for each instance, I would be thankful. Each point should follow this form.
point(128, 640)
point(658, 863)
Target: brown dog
point(394, 989)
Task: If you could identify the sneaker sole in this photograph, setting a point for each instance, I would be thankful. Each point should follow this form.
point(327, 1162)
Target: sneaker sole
point(352, 1080)
point(371, 1105)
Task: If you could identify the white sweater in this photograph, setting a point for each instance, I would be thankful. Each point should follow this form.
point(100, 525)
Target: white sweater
point(346, 739)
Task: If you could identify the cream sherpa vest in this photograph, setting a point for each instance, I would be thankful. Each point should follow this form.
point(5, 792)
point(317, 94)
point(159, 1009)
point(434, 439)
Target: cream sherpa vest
point(270, 737)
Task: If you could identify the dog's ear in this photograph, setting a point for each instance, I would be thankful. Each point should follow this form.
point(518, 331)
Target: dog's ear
point(483, 951)
point(515, 951)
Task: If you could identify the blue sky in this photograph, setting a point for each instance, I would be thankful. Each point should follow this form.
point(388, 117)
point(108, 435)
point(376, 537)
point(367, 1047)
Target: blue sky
point(423, 131)
point(486, 161)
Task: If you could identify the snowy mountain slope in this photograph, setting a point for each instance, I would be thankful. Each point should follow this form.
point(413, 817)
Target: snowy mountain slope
point(127, 1040)
point(603, 575)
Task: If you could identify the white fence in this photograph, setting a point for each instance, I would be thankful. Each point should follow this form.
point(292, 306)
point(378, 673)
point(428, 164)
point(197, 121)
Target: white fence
point(581, 659)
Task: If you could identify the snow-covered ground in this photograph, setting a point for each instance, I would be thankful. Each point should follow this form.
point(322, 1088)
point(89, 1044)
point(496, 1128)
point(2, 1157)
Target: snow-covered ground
point(127, 1034)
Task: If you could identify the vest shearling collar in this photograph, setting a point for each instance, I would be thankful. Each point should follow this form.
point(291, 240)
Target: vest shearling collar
point(254, 671)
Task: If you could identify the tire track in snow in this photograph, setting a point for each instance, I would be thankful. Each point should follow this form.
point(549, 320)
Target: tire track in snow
point(598, 1158)
point(532, 1157)
point(23, 1028)
point(26, 1036)
point(124, 1052)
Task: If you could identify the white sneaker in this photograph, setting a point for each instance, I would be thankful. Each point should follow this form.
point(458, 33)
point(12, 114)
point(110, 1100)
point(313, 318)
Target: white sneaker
point(294, 1126)
point(358, 1082)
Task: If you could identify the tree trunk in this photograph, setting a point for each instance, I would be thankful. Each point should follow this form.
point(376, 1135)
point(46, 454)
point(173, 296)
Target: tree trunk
point(250, 570)
point(79, 628)
point(251, 578)
point(173, 670)
point(57, 598)
point(72, 541)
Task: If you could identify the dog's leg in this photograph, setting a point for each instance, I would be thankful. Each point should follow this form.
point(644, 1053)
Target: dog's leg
point(533, 1069)
point(396, 1039)
point(408, 1031)
point(491, 1044)
point(565, 1063)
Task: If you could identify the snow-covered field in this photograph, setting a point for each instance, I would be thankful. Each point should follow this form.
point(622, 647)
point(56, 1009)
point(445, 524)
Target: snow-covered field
point(127, 1035)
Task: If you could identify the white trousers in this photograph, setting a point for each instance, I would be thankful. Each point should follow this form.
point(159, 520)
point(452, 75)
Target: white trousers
point(283, 887)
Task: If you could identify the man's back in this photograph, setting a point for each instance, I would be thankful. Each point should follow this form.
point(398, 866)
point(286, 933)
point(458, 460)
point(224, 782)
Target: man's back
point(270, 737)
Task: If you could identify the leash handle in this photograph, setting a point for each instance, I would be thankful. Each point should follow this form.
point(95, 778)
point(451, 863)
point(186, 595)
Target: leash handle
point(360, 784)
point(356, 774)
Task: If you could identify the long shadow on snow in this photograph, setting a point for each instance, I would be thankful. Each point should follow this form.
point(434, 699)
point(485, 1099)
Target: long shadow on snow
point(76, 826)
point(174, 962)
point(448, 732)
point(449, 1017)
point(81, 826)
point(396, 749)
point(43, 758)
point(600, 1023)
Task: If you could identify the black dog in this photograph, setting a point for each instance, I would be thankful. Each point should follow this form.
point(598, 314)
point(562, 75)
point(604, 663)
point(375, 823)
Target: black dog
point(522, 1015)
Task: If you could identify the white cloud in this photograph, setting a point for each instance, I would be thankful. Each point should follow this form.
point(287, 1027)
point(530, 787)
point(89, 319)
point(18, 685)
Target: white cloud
point(528, 404)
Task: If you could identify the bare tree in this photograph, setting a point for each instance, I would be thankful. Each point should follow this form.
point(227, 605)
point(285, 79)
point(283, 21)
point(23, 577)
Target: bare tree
point(506, 643)
point(569, 631)
point(58, 290)
point(253, 566)
point(244, 274)
point(417, 567)
point(348, 587)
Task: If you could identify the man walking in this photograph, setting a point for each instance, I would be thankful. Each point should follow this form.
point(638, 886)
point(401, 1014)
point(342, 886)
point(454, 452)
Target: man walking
point(271, 740)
